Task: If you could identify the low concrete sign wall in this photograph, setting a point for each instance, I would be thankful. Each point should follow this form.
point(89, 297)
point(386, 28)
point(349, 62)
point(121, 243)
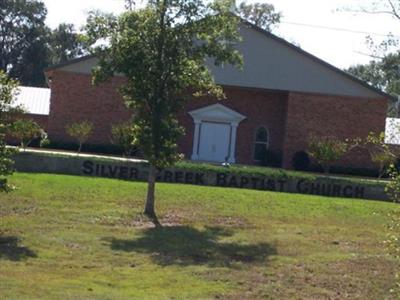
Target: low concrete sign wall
point(138, 171)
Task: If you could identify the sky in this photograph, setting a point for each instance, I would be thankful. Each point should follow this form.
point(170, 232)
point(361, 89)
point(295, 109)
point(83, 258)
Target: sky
point(337, 47)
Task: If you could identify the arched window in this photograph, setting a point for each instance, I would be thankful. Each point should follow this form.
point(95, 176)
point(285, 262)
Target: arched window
point(261, 144)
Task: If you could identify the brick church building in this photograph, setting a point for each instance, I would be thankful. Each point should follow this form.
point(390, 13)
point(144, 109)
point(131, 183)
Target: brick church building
point(281, 97)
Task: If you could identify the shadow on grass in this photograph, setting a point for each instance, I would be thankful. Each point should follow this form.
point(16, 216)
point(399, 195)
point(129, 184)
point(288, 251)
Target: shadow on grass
point(184, 245)
point(11, 250)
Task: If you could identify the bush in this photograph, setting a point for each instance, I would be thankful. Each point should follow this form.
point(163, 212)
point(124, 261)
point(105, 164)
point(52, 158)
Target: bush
point(25, 131)
point(81, 131)
point(122, 135)
point(270, 158)
point(92, 148)
point(326, 150)
point(382, 155)
point(301, 161)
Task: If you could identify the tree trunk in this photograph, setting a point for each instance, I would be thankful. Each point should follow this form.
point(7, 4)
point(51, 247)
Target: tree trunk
point(380, 174)
point(149, 206)
point(80, 147)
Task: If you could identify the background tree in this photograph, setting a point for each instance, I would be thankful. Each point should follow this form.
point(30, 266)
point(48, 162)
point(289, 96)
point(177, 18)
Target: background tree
point(161, 50)
point(23, 50)
point(262, 15)
point(81, 131)
point(27, 45)
point(383, 74)
point(8, 92)
point(326, 150)
point(383, 70)
point(65, 43)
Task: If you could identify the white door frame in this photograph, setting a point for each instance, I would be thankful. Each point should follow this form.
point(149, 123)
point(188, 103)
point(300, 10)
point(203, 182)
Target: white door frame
point(220, 114)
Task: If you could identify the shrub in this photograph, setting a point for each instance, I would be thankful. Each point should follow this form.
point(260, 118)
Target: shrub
point(269, 158)
point(81, 131)
point(25, 131)
point(122, 135)
point(301, 161)
point(272, 159)
point(326, 150)
point(8, 91)
point(381, 154)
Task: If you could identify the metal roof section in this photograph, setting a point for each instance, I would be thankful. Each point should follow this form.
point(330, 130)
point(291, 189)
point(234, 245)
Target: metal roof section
point(34, 100)
point(392, 131)
point(270, 62)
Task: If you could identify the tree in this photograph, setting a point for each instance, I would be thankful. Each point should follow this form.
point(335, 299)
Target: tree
point(81, 131)
point(326, 150)
point(65, 43)
point(25, 131)
point(161, 49)
point(382, 71)
point(8, 92)
point(382, 155)
point(383, 74)
point(27, 45)
point(262, 15)
point(123, 136)
point(23, 34)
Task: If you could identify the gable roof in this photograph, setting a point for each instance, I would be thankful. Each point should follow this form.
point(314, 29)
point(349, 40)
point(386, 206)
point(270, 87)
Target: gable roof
point(270, 62)
point(317, 59)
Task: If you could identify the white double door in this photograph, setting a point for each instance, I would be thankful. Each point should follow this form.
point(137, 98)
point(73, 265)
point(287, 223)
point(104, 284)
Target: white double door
point(214, 141)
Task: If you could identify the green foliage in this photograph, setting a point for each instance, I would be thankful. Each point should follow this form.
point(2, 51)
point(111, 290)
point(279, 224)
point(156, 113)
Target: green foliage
point(154, 48)
point(81, 131)
point(27, 45)
point(326, 150)
point(279, 174)
point(25, 131)
point(65, 43)
point(383, 74)
point(23, 20)
point(262, 15)
point(8, 91)
point(122, 135)
point(393, 186)
point(382, 155)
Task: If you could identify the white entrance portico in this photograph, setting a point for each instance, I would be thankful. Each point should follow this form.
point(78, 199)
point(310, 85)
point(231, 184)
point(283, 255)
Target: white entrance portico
point(214, 136)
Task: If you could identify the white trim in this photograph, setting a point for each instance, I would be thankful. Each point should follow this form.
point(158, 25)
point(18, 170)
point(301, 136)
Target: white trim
point(220, 114)
point(217, 113)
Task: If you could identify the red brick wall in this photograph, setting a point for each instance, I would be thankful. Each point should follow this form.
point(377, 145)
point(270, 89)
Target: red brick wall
point(289, 117)
point(74, 99)
point(261, 108)
point(42, 120)
point(340, 116)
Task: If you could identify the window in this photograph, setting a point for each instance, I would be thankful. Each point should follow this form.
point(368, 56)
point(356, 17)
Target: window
point(260, 144)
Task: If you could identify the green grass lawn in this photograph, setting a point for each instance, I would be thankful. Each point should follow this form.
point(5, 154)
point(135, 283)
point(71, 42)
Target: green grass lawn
point(65, 237)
